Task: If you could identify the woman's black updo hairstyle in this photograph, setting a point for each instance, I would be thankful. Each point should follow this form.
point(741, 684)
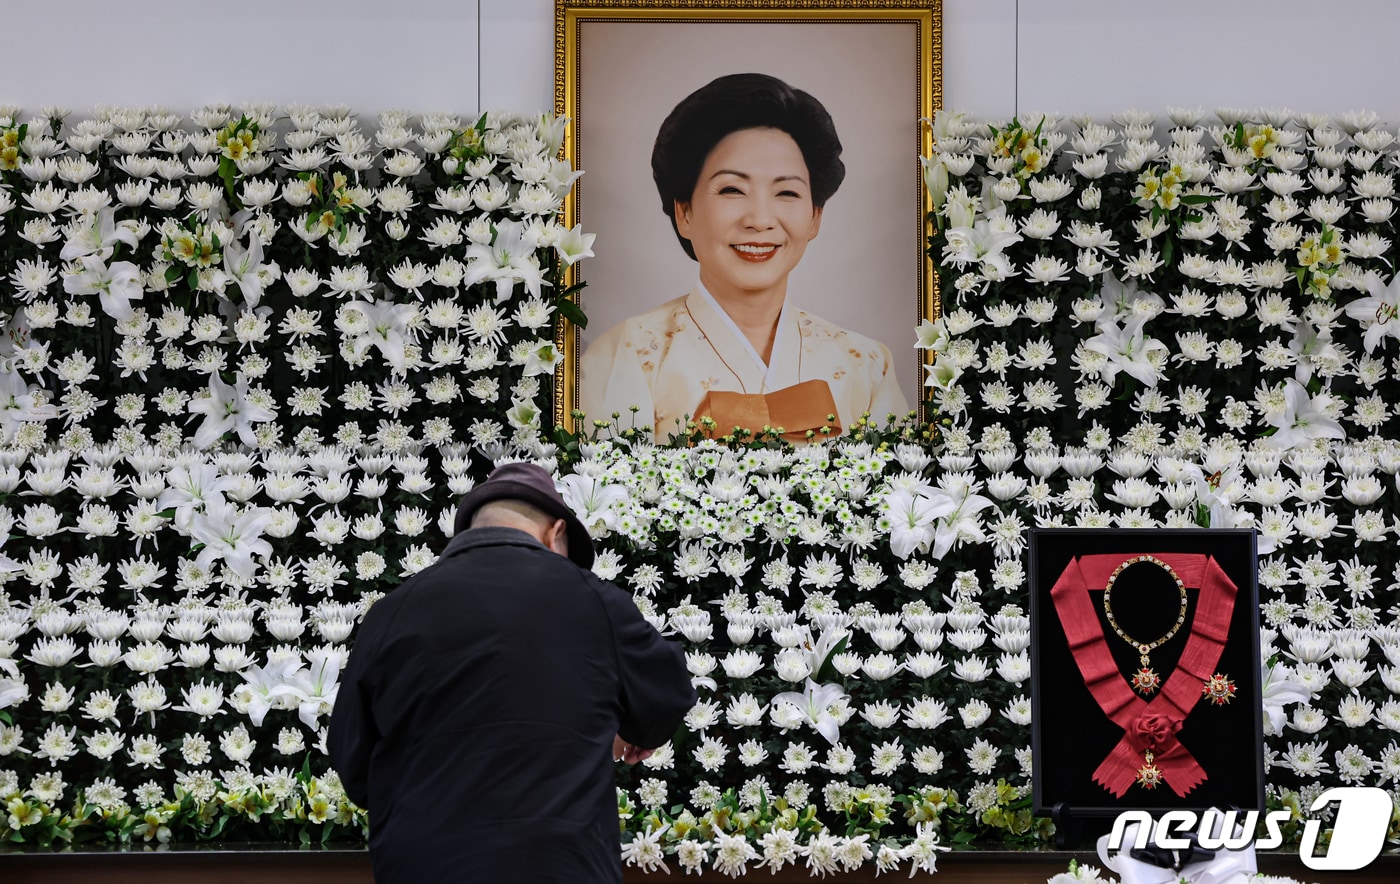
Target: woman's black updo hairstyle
point(730, 104)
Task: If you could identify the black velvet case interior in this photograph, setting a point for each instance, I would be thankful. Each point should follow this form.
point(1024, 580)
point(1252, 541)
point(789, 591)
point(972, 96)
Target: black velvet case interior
point(1070, 733)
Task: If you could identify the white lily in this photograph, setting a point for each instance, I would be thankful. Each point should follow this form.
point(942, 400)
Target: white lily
point(1128, 349)
point(227, 409)
point(1220, 493)
point(942, 376)
point(265, 686)
point(961, 524)
point(1278, 691)
point(316, 686)
point(561, 178)
point(935, 180)
point(231, 536)
point(815, 705)
point(1379, 311)
point(244, 266)
point(13, 691)
point(116, 286)
point(542, 359)
point(1125, 299)
point(97, 235)
point(1313, 346)
point(523, 414)
point(550, 130)
point(912, 518)
point(962, 207)
point(508, 259)
point(1303, 418)
point(388, 329)
point(933, 336)
point(8, 566)
point(18, 404)
point(16, 336)
point(593, 502)
point(574, 245)
point(819, 650)
point(191, 489)
point(983, 244)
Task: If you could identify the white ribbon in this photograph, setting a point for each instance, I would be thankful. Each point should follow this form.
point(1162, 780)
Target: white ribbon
point(1227, 866)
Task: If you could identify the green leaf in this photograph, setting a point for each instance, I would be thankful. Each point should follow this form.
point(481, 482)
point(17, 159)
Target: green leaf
point(173, 274)
point(824, 671)
point(572, 312)
point(193, 279)
point(1198, 199)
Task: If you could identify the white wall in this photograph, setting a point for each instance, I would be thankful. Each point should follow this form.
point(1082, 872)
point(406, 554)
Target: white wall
point(1001, 56)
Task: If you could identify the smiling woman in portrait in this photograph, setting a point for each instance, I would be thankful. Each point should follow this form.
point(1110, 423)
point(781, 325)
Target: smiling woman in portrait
point(744, 167)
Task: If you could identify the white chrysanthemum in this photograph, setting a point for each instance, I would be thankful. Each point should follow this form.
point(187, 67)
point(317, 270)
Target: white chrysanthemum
point(982, 757)
point(886, 758)
point(975, 713)
point(57, 743)
point(1353, 765)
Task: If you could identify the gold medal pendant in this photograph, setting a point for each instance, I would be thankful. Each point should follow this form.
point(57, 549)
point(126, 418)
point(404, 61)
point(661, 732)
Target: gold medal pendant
point(1219, 689)
point(1146, 681)
point(1148, 776)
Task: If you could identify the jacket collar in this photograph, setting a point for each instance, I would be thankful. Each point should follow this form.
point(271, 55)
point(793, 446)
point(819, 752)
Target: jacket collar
point(738, 355)
point(492, 536)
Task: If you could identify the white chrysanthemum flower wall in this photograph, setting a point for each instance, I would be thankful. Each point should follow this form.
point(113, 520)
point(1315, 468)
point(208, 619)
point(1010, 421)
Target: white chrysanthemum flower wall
point(253, 358)
point(250, 361)
point(1188, 322)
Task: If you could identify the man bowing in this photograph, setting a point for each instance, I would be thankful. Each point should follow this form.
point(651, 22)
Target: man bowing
point(487, 697)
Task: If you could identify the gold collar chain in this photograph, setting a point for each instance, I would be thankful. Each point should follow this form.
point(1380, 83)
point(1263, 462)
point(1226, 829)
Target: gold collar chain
point(1145, 680)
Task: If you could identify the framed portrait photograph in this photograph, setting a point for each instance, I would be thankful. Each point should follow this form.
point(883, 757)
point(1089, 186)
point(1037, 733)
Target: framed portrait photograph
point(1146, 676)
point(751, 172)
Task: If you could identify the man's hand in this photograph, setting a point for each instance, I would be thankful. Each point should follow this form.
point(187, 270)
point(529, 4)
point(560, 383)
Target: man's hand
point(625, 751)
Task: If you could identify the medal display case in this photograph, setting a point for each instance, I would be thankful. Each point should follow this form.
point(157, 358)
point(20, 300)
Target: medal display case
point(1146, 688)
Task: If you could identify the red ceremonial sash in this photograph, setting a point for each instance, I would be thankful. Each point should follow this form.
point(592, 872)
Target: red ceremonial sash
point(1148, 725)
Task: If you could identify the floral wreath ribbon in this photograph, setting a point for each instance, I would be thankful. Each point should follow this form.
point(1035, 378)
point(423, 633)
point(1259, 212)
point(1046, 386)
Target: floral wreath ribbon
point(1149, 727)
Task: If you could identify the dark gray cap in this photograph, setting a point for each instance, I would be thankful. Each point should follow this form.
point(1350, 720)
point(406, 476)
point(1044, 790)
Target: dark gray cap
point(530, 484)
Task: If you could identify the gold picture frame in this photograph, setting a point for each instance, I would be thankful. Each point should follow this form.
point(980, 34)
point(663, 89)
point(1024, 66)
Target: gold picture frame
point(620, 66)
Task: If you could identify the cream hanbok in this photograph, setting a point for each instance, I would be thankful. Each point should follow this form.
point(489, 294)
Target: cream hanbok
point(669, 360)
